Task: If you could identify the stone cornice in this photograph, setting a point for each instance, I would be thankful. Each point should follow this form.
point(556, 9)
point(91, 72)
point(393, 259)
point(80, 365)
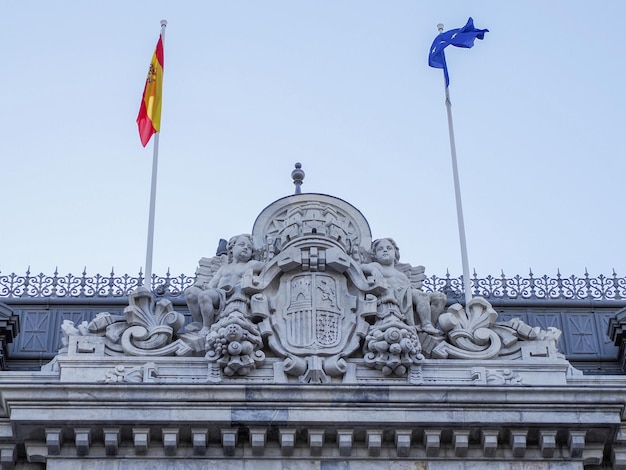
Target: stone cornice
point(338, 421)
point(572, 404)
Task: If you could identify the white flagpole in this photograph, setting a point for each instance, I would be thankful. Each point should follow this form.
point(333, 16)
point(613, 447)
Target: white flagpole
point(457, 192)
point(147, 281)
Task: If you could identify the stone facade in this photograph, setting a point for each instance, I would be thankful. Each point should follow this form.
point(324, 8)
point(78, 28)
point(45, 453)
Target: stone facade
point(310, 346)
point(9, 328)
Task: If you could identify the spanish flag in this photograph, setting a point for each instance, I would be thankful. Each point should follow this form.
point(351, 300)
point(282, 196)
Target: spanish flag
point(149, 117)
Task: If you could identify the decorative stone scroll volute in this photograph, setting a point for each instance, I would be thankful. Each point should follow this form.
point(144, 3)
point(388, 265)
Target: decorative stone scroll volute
point(308, 298)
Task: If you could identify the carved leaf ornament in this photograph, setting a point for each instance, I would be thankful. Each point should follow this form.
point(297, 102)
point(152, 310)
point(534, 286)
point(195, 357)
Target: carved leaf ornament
point(468, 331)
point(152, 327)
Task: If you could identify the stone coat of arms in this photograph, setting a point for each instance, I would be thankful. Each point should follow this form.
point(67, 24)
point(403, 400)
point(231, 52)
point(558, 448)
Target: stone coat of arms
point(309, 298)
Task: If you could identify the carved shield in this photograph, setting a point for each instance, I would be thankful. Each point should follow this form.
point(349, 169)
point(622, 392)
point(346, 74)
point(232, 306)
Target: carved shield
point(313, 316)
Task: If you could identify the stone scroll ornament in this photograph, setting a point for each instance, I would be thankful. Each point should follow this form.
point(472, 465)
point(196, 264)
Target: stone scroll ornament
point(148, 328)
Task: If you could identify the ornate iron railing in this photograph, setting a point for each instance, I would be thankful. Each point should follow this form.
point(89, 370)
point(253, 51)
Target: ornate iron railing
point(490, 287)
point(85, 286)
point(534, 288)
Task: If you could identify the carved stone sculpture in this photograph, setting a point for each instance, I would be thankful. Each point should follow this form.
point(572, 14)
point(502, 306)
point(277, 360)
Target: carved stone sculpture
point(308, 298)
point(207, 299)
point(414, 304)
point(147, 328)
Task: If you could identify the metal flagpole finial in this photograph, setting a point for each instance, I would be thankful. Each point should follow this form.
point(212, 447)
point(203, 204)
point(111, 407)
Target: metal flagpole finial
point(163, 23)
point(298, 175)
point(440, 27)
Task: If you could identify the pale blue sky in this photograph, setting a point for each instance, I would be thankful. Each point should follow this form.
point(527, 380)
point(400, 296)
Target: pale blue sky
point(344, 87)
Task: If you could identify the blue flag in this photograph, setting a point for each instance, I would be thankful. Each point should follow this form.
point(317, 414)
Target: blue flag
point(460, 37)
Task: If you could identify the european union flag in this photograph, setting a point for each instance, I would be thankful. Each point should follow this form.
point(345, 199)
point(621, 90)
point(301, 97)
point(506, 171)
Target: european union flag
point(460, 37)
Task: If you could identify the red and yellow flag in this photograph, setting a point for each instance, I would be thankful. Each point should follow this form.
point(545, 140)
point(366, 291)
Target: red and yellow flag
point(149, 117)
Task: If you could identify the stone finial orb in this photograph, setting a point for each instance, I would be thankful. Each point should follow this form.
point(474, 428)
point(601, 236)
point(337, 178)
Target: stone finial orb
point(298, 176)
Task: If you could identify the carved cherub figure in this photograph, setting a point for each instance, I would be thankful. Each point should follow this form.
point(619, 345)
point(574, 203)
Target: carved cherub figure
point(413, 302)
point(206, 300)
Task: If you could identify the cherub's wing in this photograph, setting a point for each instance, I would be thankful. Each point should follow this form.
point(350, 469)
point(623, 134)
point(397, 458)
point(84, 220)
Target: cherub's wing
point(207, 267)
point(414, 273)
